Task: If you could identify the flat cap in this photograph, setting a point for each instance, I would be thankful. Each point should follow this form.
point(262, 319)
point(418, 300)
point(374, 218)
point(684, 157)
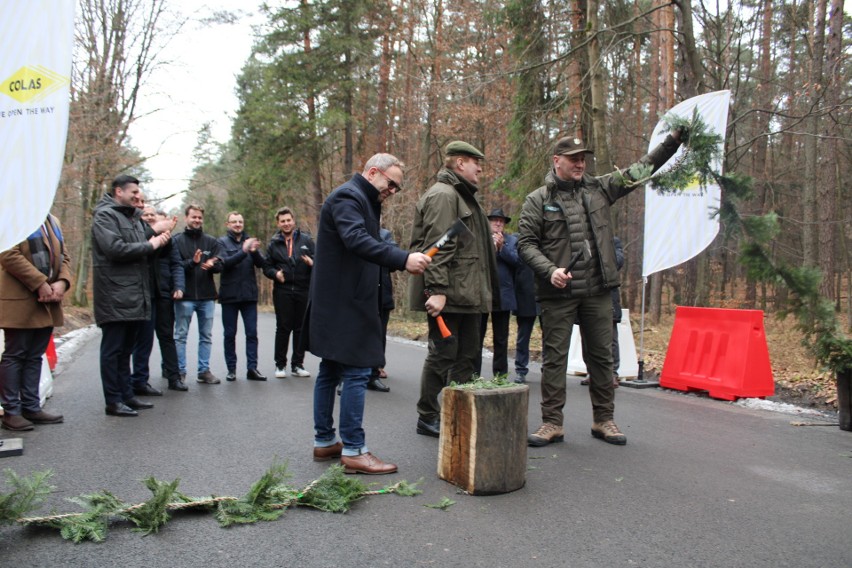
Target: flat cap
point(459, 148)
point(498, 214)
point(568, 146)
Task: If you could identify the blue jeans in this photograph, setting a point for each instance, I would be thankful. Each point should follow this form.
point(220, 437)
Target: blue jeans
point(355, 379)
point(230, 313)
point(183, 316)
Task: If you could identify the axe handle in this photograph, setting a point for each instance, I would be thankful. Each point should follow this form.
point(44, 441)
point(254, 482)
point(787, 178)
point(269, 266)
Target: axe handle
point(574, 260)
point(432, 251)
point(439, 319)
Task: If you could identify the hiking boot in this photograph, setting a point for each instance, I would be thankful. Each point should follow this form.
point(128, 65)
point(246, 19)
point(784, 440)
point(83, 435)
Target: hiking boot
point(208, 378)
point(546, 434)
point(608, 432)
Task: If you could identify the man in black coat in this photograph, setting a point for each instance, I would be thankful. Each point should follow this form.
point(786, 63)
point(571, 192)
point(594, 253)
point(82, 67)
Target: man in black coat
point(238, 294)
point(121, 282)
point(344, 326)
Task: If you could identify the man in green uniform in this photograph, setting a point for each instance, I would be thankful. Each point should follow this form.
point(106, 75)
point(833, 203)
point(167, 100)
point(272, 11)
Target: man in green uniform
point(570, 214)
point(460, 283)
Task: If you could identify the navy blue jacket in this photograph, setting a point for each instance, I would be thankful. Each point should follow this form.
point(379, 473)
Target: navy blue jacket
point(343, 306)
point(388, 302)
point(507, 264)
point(238, 282)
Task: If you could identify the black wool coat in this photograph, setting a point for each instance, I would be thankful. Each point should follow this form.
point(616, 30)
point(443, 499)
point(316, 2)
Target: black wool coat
point(343, 304)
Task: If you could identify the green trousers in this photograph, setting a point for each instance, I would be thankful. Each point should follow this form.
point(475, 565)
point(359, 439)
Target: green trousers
point(449, 359)
point(595, 319)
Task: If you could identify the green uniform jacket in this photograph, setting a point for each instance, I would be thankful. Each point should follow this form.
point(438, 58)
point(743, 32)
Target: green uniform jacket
point(547, 238)
point(466, 275)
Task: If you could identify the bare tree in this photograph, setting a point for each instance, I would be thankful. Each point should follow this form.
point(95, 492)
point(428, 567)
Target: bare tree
point(118, 43)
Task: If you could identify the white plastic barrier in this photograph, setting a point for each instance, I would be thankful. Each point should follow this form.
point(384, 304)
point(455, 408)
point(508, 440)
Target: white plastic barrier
point(629, 367)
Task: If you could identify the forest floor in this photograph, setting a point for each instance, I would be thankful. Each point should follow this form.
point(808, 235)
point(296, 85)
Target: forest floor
point(797, 379)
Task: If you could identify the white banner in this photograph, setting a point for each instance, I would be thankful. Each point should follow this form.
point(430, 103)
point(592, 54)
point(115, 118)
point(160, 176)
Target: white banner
point(36, 42)
point(679, 225)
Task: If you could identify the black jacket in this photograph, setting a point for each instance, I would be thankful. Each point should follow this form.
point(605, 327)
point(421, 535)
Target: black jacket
point(195, 283)
point(297, 274)
point(120, 251)
point(238, 282)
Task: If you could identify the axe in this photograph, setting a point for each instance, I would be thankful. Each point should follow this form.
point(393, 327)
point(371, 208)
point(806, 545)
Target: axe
point(585, 252)
point(460, 230)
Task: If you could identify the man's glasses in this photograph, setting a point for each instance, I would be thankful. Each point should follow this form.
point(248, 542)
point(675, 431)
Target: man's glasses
point(391, 183)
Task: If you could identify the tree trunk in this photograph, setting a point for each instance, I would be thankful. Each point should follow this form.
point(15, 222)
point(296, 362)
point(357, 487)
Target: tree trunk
point(812, 173)
point(603, 163)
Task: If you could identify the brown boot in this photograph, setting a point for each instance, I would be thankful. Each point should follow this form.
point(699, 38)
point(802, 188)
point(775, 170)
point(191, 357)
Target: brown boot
point(42, 417)
point(16, 423)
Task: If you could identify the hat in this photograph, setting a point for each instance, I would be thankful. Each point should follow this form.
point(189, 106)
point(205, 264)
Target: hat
point(569, 146)
point(499, 213)
point(459, 148)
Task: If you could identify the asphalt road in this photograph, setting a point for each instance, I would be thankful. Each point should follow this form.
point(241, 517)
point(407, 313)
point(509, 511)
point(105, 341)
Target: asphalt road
point(700, 482)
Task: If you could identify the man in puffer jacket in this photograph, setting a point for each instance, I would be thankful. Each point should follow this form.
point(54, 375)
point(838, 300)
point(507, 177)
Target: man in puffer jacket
point(570, 214)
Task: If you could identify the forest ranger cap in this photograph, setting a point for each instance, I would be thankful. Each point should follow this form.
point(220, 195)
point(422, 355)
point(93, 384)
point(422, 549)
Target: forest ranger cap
point(568, 146)
point(459, 148)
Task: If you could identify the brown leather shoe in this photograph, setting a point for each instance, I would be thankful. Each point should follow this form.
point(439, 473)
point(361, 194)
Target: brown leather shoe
point(16, 423)
point(328, 453)
point(42, 417)
point(366, 463)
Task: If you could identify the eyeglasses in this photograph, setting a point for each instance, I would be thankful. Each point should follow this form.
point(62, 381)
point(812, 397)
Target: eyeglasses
point(391, 183)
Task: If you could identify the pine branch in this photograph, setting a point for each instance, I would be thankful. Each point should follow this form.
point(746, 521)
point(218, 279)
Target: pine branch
point(28, 493)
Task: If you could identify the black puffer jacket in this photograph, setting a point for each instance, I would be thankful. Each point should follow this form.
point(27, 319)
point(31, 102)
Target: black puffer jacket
point(120, 251)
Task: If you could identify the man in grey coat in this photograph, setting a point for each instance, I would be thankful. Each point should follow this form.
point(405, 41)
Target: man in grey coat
point(122, 296)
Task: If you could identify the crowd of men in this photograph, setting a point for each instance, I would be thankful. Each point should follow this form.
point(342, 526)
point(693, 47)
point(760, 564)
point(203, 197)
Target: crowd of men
point(331, 297)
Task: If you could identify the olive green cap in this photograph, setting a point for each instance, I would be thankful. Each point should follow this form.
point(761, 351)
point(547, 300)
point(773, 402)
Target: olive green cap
point(459, 148)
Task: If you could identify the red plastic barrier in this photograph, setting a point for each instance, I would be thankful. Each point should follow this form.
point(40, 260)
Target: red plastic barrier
point(720, 351)
point(51, 354)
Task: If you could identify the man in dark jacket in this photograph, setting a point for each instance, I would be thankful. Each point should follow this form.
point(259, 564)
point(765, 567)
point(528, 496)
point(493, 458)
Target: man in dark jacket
point(506, 246)
point(461, 285)
point(195, 291)
point(289, 264)
point(344, 327)
point(122, 298)
point(566, 217)
point(238, 294)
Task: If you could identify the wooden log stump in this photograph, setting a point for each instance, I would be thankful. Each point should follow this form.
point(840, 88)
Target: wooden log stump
point(483, 442)
point(844, 399)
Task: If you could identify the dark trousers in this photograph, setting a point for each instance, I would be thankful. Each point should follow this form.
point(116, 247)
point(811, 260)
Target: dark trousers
point(384, 315)
point(289, 313)
point(557, 320)
point(117, 342)
point(500, 337)
point(230, 315)
point(522, 344)
point(450, 359)
point(20, 369)
point(162, 323)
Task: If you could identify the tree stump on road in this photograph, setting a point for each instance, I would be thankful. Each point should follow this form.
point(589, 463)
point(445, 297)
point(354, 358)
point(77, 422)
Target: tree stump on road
point(483, 443)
